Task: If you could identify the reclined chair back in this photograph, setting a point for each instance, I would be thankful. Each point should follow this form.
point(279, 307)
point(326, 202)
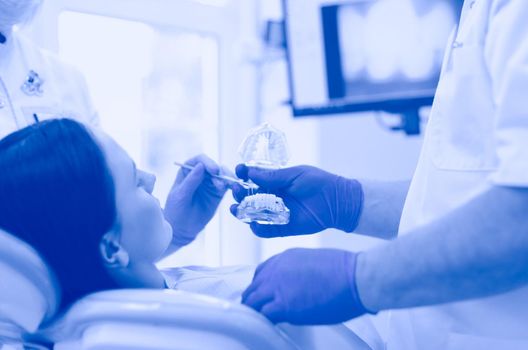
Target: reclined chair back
point(162, 320)
point(28, 294)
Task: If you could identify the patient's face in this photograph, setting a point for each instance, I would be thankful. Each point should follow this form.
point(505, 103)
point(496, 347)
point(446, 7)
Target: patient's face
point(144, 233)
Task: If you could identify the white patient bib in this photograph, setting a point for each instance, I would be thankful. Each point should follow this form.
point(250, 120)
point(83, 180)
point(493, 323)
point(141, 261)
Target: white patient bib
point(220, 282)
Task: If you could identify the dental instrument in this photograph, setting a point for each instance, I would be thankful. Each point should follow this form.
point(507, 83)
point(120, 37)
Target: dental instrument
point(229, 179)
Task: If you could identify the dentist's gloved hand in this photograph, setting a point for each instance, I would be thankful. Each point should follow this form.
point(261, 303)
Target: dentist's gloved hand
point(193, 199)
point(306, 287)
point(317, 199)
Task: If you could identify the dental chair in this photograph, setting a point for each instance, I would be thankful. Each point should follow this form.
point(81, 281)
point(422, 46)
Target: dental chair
point(162, 320)
point(166, 319)
point(28, 296)
point(176, 320)
point(136, 319)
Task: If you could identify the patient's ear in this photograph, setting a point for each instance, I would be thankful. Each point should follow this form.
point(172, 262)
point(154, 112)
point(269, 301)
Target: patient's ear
point(113, 254)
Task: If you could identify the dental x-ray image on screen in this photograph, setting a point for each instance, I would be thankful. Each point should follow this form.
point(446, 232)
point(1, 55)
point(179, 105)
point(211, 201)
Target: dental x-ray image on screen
point(358, 55)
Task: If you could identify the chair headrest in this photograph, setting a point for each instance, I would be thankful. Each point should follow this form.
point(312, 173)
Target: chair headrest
point(29, 294)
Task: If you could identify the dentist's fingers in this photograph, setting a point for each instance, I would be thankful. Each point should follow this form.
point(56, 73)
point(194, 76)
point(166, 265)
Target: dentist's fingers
point(258, 299)
point(220, 184)
point(233, 209)
point(210, 165)
point(261, 276)
point(273, 312)
point(182, 174)
point(241, 171)
point(239, 192)
point(192, 181)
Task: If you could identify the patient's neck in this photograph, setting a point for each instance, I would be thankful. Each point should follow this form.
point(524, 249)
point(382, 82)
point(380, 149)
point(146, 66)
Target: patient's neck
point(139, 275)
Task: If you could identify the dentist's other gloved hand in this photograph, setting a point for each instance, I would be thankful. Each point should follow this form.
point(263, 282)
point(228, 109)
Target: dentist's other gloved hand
point(317, 199)
point(193, 199)
point(306, 287)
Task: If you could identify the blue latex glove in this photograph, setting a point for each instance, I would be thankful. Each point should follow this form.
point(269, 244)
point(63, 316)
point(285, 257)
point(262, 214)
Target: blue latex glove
point(306, 287)
point(193, 199)
point(317, 199)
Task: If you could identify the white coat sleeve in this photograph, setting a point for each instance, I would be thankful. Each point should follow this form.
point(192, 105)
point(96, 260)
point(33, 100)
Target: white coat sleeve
point(506, 54)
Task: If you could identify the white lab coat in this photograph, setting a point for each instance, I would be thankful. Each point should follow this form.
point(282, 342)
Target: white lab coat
point(477, 138)
point(64, 92)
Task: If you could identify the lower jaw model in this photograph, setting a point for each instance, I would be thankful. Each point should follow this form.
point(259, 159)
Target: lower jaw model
point(264, 209)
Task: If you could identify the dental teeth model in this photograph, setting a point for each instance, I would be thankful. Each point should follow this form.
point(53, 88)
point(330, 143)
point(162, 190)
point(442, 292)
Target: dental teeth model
point(264, 147)
point(263, 208)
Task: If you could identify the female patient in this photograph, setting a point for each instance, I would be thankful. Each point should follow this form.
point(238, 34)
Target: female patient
point(79, 199)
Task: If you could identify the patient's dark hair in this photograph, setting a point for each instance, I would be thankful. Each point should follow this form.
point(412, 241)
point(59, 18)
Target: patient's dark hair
point(57, 194)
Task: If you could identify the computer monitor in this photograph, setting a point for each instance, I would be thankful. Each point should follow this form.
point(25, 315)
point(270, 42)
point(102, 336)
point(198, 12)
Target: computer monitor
point(359, 55)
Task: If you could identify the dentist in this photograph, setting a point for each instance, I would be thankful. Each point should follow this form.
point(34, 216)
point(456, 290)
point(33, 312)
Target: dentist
point(34, 84)
point(459, 264)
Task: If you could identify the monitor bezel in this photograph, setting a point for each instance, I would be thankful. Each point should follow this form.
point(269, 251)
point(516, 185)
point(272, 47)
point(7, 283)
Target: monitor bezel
point(343, 106)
